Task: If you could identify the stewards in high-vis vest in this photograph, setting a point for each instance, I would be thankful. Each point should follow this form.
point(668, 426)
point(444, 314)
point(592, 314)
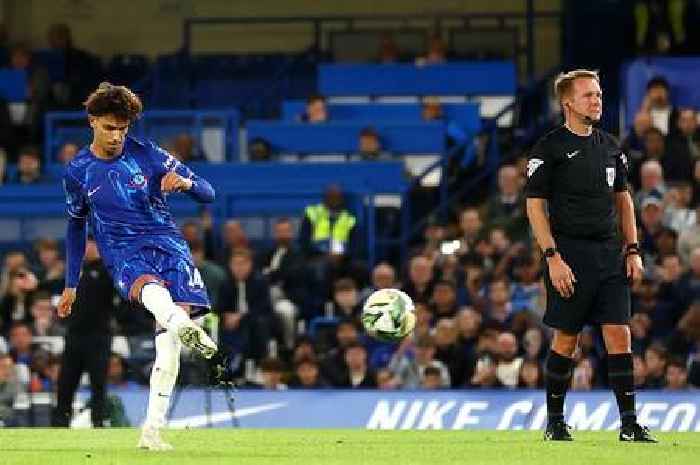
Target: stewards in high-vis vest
point(328, 227)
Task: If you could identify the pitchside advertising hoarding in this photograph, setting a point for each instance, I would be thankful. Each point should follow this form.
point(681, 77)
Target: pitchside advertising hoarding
point(499, 410)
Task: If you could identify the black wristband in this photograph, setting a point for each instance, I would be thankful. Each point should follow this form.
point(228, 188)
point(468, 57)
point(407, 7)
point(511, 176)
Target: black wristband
point(633, 247)
point(632, 252)
point(550, 252)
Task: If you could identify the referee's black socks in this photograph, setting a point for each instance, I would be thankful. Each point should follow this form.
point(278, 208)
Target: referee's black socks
point(621, 379)
point(557, 373)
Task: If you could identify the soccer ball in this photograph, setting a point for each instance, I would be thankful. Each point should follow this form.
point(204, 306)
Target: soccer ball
point(388, 315)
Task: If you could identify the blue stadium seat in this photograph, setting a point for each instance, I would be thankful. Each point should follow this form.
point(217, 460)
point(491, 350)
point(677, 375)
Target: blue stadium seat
point(13, 85)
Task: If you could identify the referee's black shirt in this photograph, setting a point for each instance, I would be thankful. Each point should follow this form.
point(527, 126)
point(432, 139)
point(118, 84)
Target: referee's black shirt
point(578, 176)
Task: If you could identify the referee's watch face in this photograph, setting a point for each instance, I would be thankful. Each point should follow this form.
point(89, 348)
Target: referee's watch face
point(587, 99)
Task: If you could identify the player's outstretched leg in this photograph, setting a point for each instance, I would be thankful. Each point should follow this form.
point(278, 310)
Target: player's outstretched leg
point(157, 300)
point(163, 376)
point(557, 378)
point(621, 380)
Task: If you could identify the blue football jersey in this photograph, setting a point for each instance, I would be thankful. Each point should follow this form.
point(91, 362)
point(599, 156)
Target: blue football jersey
point(122, 200)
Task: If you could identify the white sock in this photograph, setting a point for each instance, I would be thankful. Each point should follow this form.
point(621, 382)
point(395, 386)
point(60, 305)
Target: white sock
point(157, 300)
point(163, 377)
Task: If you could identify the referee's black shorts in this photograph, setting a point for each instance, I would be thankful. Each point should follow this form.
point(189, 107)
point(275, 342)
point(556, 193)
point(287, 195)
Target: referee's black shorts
point(601, 291)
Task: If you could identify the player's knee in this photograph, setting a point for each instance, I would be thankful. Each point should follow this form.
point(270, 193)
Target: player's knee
point(139, 283)
point(564, 343)
point(617, 338)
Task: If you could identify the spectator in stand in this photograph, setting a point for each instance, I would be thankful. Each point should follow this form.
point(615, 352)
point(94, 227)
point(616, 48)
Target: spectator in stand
point(657, 103)
point(419, 285)
point(116, 374)
point(508, 363)
point(470, 230)
point(28, 166)
point(383, 277)
point(468, 328)
point(244, 308)
point(526, 291)
point(444, 299)
point(388, 50)
point(431, 379)
point(655, 358)
point(689, 239)
point(506, 208)
point(534, 344)
point(307, 375)
point(358, 374)
point(633, 143)
point(410, 361)
point(259, 150)
point(531, 375)
point(436, 53)
point(386, 380)
point(29, 127)
point(43, 321)
point(676, 375)
point(333, 366)
point(651, 215)
point(677, 212)
point(696, 183)
point(9, 388)
point(370, 147)
point(15, 304)
point(22, 351)
point(213, 275)
point(185, 149)
point(346, 300)
point(234, 238)
point(639, 371)
point(640, 327)
point(67, 152)
point(583, 378)
point(283, 266)
point(316, 111)
point(651, 181)
point(272, 372)
point(51, 269)
point(689, 283)
point(686, 142)
point(485, 375)
point(500, 307)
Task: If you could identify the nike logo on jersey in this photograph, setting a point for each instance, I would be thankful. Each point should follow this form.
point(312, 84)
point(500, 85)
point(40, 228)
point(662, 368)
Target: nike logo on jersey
point(573, 154)
point(91, 192)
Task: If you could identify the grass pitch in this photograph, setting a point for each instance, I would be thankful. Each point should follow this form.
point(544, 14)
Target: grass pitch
point(352, 447)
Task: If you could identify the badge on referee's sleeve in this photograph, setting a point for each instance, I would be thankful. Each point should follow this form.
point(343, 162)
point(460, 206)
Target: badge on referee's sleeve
point(610, 171)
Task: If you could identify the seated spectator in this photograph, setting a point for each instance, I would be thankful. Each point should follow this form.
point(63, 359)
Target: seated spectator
point(485, 375)
point(639, 371)
point(686, 141)
point(244, 309)
point(506, 208)
point(499, 306)
point(22, 351)
point(259, 150)
point(316, 111)
point(657, 103)
point(655, 358)
point(386, 380)
point(283, 266)
point(468, 329)
point(346, 300)
point(17, 300)
point(370, 147)
point(436, 53)
point(67, 152)
point(45, 370)
point(9, 388)
point(410, 361)
point(530, 376)
point(676, 375)
point(534, 344)
point(677, 212)
point(43, 320)
point(651, 225)
point(307, 375)
point(431, 379)
point(640, 328)
point(358, 374)
point(28, 167)
point(272, 371)
point(213, 275)
point(234, 238)
point(185, 149)
point(689, 239)
point(444, 299)
point(420, 283)
point(471, 228)
point(51, 267)
point(526, 291)
point(333, 366)
point(508, 363)
point(651, 182)
point(632, 145)
point(116, 373)
point(383, 277)
point(583, 378)
point(689, 282)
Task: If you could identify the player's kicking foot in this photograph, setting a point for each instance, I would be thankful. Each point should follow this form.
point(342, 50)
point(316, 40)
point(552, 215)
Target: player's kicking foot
point(195, 338)
point(558, 430)
point(634, 432)
point(151, 440)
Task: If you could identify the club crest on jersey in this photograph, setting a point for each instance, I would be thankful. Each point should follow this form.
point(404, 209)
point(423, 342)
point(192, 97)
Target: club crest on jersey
point(610, 171)
point(532, 165)
point(138, 181)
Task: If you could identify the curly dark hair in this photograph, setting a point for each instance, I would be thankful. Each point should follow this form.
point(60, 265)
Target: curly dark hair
point(119, 101)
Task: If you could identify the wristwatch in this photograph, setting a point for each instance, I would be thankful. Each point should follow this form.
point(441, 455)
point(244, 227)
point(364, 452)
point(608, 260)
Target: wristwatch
point(550, 252)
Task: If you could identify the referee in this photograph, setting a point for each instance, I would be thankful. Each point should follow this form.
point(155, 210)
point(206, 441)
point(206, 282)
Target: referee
point(579, 175)
point(88, 340)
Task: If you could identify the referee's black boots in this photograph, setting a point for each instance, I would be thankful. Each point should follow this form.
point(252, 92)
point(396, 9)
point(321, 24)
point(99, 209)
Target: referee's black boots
point(634, 432)
point(558, 430)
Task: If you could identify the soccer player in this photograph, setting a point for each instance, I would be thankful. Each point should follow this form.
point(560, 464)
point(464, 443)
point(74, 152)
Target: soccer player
point(119, 185)
point(579, 175)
